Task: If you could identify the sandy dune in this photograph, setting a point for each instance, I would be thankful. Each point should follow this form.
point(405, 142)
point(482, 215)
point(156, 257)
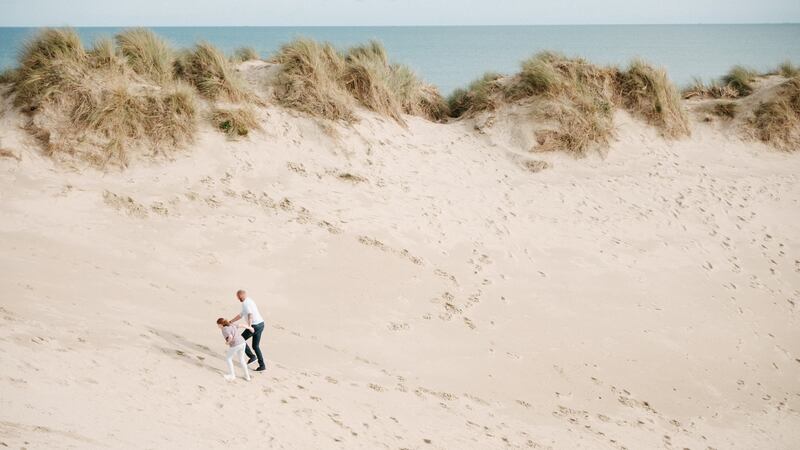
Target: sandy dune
point(422, 288)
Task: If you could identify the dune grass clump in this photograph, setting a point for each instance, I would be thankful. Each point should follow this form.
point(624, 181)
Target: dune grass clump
point(647, 92)
point(367, 76)
point(414, 96)
point(552, 74)
point(386, 88)
point(103, 125)
point(725, 109)
point(93, 104)
point(576, 97)
point(480, 95)
point(319, 80)
point(715, 89)
point(777, 121)
point(8, 76)
point(788, 70)
point(103, 54)
point(740, 79)
point(243, 54)
point(431, 104)
point(121, 116)
point(209, 71)
point(309, 80)
point(580, 127)
point(738, 82)
point(235, 121)
point(50, 64)
point(543, 74)
point(146, 53)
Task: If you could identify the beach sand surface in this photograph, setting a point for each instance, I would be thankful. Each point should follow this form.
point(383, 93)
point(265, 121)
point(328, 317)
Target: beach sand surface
point(423, 287)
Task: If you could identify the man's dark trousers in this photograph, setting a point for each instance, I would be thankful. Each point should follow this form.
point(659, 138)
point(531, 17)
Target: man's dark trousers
point(256, 334)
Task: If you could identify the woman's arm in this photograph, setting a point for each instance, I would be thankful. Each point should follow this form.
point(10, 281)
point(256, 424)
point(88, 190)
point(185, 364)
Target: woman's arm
point(245, 326)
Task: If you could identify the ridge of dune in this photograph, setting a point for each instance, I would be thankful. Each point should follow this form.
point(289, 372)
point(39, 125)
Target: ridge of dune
point(424, 285)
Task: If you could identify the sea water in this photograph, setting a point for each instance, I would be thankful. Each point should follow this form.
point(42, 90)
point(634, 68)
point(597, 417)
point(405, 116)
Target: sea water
point(451, 57)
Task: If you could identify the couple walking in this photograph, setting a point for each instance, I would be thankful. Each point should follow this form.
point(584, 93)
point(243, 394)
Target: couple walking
point(237, 345)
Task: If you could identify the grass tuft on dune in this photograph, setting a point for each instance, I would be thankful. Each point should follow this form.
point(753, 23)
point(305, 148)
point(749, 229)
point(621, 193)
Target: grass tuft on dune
point(480, 95)
point(50, 65)
point(209, 71)
point(417, 97)
point(146, 53)
point(367, 76)
point(123, 116)
point(103, 54)
point(738, 82)
point(235, 122)
point(698, 88)
point(766, 106)
point(388, 89)
point(308, 80)
point(575, 100)
point(243, 54)
point(319, 80)
point(647, 93)
point(740, 79)
point(94, 104)
point(8, 76)
point(725, 109)
point(546, 73)
point(776, 121)
point(788, 70)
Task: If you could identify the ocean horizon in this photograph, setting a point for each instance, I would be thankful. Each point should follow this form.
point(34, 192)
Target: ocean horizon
point(452, 56)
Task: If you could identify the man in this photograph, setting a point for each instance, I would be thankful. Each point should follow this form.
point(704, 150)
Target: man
point(256, 322)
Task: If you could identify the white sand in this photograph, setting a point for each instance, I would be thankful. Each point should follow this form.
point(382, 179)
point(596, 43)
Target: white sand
point(451, 299)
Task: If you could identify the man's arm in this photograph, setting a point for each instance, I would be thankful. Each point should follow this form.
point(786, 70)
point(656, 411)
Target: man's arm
point(245, 327)
point(246, 310)
point(238, 316)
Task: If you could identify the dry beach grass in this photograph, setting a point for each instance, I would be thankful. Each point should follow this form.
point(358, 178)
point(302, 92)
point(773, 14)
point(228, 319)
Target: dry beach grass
point(578, 99)
point(136, 94)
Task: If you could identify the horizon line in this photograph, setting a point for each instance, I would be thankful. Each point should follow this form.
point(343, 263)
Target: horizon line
point(401, 26)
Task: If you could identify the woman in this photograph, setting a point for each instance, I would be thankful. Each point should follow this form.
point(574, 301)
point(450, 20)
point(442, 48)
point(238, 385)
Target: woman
point(236, 347)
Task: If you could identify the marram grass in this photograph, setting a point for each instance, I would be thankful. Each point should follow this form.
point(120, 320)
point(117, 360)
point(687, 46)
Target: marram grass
point(135, 91)
point(207, 68)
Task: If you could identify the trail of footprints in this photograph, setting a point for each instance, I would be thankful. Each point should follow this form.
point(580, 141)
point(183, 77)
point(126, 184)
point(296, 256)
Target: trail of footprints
point(301, 215)
point(292, 389)
point(645, 417)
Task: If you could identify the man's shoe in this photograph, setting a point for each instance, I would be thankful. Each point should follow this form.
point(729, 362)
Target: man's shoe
point(251, 360)
point(260, 369)
point(229, 377)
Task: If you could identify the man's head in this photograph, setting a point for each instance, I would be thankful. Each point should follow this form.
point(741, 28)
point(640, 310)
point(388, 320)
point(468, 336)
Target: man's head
point(241, 295)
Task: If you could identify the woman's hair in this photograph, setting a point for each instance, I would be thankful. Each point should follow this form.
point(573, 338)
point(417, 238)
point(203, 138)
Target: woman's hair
point(223, 322)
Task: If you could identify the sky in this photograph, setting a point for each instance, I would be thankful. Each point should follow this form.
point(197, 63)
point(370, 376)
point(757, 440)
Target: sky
point(390, 12)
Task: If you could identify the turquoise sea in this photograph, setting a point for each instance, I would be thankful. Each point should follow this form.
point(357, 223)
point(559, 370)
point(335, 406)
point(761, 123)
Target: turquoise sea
point(452, 56)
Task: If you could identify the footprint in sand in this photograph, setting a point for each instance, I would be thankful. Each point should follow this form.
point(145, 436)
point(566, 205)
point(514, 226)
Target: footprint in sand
point(398, 326)
point(125, 204)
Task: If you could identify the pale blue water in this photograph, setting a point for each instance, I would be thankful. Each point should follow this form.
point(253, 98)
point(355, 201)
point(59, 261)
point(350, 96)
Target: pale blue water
point(450, 57)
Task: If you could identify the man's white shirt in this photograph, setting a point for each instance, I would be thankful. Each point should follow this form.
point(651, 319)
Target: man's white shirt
point(249, 307)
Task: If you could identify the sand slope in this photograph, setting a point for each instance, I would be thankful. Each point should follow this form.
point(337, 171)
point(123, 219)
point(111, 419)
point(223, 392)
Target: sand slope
point(422, 289)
